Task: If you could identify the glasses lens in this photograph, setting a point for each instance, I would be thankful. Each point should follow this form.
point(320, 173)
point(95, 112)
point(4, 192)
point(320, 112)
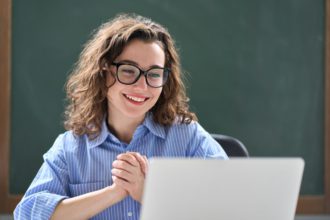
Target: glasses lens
point(128, 73)
point(156, 77)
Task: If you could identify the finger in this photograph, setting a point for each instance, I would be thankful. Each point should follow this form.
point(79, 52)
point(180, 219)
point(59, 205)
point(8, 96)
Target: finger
point(145, 158)
point(129, 158)
point(143, 161)
point(123, 165)
point(123, 174)
point(147, 163)
point(136, 155)
point(120, 182)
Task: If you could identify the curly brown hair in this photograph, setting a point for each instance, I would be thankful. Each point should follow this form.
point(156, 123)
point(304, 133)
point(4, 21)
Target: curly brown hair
point(86, 87)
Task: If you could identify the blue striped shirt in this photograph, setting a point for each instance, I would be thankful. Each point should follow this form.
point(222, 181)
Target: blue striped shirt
point(75, 165)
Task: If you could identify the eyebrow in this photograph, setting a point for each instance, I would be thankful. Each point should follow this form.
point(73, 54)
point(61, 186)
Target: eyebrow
point(136, 64)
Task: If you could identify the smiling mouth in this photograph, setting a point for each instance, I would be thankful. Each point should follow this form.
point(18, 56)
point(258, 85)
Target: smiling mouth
point(136, 99)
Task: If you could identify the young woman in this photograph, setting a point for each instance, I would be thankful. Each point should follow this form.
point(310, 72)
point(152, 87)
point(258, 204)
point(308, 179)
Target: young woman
point(127, 103)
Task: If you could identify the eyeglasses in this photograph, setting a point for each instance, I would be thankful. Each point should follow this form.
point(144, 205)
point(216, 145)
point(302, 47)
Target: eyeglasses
point(129, 74)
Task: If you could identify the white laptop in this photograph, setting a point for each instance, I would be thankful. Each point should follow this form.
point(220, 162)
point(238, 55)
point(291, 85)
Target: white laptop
point(236, 189)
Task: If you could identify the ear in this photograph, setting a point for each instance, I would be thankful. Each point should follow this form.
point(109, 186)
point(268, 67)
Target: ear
point(109, 78)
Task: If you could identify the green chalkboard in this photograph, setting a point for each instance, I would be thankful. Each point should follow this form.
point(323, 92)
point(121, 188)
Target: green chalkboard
point(256, 71)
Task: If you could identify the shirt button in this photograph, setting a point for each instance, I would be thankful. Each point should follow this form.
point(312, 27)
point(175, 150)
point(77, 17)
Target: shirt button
point(129, 214)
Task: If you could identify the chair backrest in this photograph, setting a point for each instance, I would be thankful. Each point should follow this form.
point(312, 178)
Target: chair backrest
point(232, 146)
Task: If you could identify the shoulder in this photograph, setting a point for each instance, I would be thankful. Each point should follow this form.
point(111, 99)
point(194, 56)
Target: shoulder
point(192, 134)
point(65, 143)
point(198, 141)
point(69, 139)
point(193, 128)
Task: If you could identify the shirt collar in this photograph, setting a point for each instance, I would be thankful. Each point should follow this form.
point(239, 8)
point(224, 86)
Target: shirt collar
point(154, 127)
point(101, 137)
point(148, 122)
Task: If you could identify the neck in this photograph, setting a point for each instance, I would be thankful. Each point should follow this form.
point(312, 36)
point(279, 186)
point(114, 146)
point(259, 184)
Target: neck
point(122, 127)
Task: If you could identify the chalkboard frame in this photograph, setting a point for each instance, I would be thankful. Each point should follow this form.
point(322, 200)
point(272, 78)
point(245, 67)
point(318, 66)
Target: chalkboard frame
point(307, 204)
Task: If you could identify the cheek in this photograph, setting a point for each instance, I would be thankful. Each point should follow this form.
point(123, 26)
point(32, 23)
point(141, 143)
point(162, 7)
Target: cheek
point(113, 91)
point(109, 95)
point(110, 80)
point(157, 93)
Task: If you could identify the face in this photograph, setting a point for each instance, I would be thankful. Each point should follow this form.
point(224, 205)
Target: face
point(134, 101)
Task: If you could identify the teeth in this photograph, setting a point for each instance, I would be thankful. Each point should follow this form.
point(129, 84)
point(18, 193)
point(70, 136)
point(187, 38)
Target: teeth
point(136, 99)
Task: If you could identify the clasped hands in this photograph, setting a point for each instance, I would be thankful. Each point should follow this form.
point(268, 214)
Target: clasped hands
point(128, 174)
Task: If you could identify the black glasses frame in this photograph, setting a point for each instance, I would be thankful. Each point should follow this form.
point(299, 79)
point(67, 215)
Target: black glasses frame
point(142, 72)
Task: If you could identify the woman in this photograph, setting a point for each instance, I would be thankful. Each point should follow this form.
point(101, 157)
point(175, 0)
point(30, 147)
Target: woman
point(127, 103)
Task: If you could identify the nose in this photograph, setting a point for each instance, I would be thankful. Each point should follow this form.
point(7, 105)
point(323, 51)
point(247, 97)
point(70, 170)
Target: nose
point(141, 83)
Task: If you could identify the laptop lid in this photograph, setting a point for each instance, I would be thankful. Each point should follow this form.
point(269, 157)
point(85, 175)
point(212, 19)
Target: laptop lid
point(236, 189)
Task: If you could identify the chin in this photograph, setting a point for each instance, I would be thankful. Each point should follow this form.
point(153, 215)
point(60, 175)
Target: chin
point(135, 115)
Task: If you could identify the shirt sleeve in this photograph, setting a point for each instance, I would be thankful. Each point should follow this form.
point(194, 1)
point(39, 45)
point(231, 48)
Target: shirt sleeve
point(204, 146)
point(48, 188)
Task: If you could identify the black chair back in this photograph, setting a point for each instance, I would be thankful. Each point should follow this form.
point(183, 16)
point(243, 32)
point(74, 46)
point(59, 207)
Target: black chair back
point(232, 146)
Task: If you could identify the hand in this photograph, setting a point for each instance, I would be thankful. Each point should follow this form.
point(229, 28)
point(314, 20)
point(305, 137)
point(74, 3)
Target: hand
point(129, 171)
point(119, 192)
point(143, 161)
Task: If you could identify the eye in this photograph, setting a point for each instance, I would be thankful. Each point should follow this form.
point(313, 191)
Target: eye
point(128, 70)
point(154, 75)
